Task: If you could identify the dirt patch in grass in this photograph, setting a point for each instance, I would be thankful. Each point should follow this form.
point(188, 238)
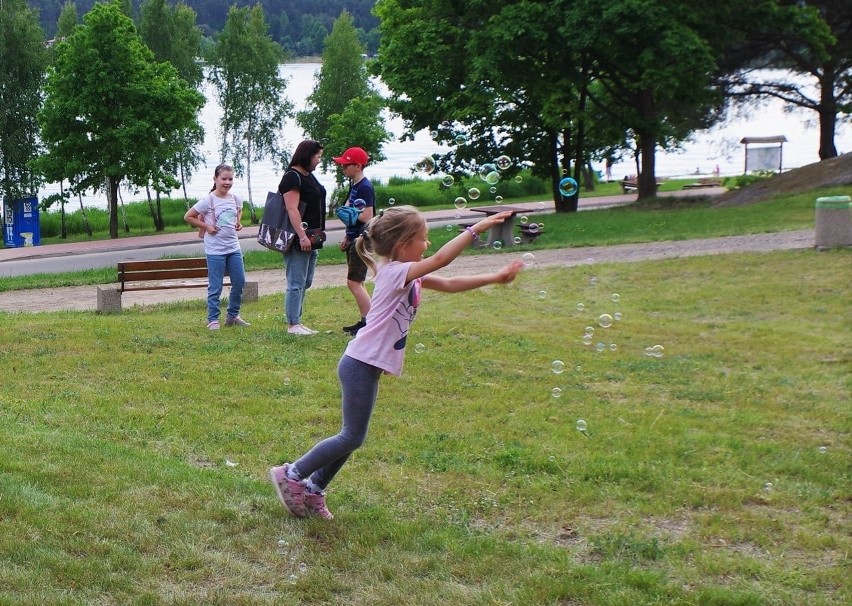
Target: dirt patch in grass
point(835, 172)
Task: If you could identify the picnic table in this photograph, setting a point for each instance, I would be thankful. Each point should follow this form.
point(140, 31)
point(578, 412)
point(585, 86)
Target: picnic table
point(501, 232)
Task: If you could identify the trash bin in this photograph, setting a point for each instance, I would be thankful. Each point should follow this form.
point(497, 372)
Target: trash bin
point(833, 222)
point(20, 222)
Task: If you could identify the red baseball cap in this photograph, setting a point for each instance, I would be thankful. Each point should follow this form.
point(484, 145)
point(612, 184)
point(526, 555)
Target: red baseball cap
point(353, 155)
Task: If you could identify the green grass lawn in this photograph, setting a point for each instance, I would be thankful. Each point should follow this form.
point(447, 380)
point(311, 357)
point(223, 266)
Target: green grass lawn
point(135, 447)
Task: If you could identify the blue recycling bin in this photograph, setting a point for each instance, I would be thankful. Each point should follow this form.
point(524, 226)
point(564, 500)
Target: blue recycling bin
point(20, 222)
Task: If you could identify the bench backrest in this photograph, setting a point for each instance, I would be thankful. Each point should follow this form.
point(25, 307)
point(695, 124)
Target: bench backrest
point(160, 270)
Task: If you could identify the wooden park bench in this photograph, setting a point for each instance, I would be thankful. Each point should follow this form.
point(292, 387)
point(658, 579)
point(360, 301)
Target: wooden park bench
point(161, 274)
point(630, 185)
point(703, 183)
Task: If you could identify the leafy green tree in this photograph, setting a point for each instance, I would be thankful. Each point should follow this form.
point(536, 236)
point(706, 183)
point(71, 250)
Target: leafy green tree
point(344, 108)
point(312, 36)
point(68, 20)
point(245, 73)
point(532, 79)
point(811, 39)
point(23, 60)
point(111, 112)
point(172, 35)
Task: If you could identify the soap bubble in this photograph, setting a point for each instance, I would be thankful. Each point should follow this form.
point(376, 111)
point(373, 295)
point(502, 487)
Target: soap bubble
point(541, 205)
point(823, 449)
point(497, 245)
point(605, 320)
point(767, 486)
point(581, 306)
point(457, 215)
point(590, 330)
point(303, 568)
point(556, 392)
point(283, 546)
point(293, 579)
point(533, 227)
point(503, 162)
point(493, 190)
point(542, 294)
point(426, 165)
point(528, 259)
point(567, 187)
point(286, 380)
point(587, 339)
point(460, 202)
point(450, 227)
point(518, 179)
point(304, 225)
point(649, 352)
point(448, 181)
point(524, 220)
point(391, 201)
point(582, 426)
point(498, 199)
point(461, 139)
point(433, 134)
point(593, 280)
point(613, 346)
point(359, 203)
point(658, 351)
point(616, 315)
point(492, 178)
point(616, 297)
point(600, 347)
point(558, 367)
point(419, 348)
point(485, 170)
point(473, 193)
point(517, 239)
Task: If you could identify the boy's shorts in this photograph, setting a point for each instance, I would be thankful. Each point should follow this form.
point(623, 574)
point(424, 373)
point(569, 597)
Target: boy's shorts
point(356, 269)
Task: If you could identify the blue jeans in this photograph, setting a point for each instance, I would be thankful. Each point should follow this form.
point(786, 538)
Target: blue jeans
point(216, 266)
point(299, 268)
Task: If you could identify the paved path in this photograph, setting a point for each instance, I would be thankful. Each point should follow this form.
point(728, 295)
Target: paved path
point(83, 298)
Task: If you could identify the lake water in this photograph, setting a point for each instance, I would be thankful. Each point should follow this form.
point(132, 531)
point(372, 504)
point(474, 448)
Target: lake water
point(718, 146)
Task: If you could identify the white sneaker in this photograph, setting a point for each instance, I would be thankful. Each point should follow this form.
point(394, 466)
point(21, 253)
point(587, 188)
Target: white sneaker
point(298, 329)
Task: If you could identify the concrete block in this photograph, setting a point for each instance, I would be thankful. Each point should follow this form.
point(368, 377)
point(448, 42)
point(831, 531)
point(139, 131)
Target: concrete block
point(109, 300)
point(250, 291)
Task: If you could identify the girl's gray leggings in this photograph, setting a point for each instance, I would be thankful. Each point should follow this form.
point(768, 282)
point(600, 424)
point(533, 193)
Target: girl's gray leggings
point(360, 385)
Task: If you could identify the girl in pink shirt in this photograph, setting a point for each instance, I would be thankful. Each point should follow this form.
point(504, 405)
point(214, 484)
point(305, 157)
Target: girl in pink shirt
point(399, 236)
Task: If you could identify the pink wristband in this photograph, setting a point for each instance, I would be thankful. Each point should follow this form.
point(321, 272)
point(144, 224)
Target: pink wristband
point(469, 230)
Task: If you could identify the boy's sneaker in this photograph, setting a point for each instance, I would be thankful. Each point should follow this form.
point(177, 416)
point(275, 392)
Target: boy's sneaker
point(353, 330)
point(235, 321)
point(315, 505)
point(291, 493)
point(213, 325)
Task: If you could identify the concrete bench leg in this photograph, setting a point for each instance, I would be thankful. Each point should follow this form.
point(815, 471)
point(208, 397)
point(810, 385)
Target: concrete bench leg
point(250, 291)
point(109, 300)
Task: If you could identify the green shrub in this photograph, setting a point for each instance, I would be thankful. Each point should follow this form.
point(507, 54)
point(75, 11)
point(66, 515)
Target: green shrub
point(739, 181)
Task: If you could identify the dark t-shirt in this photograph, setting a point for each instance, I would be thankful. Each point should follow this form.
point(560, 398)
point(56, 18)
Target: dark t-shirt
point(311, 192)
point(363, 190)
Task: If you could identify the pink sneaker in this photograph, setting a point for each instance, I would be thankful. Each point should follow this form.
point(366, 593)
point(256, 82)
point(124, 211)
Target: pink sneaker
point(315, 505)
point(290, 492)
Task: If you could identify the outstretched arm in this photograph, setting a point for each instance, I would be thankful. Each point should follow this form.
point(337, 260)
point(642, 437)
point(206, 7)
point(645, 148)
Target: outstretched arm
point(462, 283)
point(453, 248)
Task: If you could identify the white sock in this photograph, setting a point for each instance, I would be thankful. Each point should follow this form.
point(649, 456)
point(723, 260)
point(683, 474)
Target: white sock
point(311, 487)
point(292, 474)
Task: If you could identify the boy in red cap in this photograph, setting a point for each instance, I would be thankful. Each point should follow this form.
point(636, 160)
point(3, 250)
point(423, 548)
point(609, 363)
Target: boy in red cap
point(361, 196)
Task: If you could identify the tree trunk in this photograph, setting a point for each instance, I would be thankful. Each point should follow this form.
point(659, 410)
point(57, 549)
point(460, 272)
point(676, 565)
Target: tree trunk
point(151, 206)
point(827, 115)
point(647, 186)
point(560, 204)
point(112, 201)
point(63, 231)
point(159, 224)
point(252, 212)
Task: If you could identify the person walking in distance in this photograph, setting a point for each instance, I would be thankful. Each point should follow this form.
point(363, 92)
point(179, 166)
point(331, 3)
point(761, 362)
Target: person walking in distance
point(362, 197)
point(399, 237)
